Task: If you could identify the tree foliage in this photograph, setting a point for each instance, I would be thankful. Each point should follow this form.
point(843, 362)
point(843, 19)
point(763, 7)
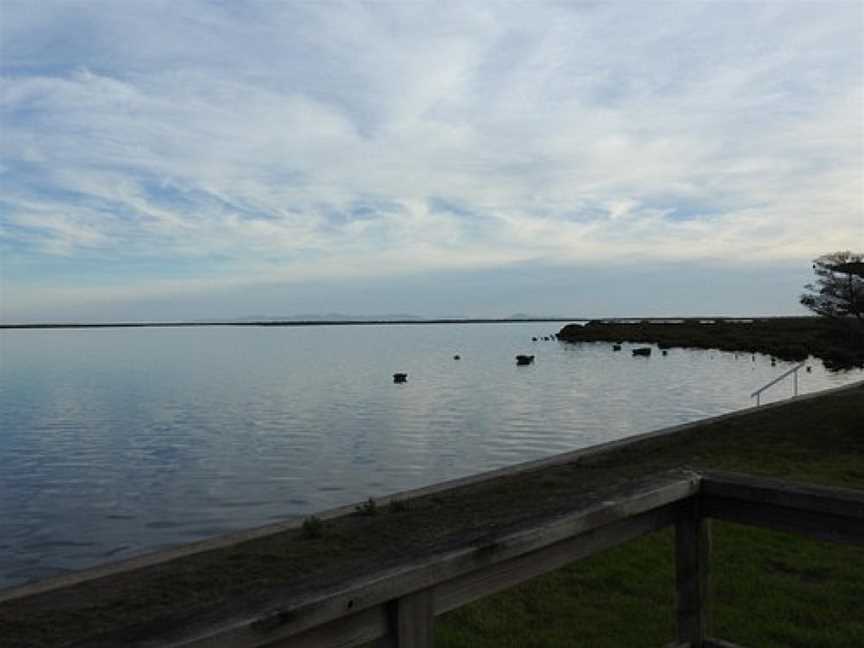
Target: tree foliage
point(838, 290)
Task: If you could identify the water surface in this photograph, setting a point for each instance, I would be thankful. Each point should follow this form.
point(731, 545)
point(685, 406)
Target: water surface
point(118, 441)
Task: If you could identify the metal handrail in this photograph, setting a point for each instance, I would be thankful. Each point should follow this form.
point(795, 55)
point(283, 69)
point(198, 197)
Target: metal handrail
point(793, 370)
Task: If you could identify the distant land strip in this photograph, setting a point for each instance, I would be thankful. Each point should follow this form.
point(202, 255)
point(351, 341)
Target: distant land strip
point(489, 320)
point(289, 323)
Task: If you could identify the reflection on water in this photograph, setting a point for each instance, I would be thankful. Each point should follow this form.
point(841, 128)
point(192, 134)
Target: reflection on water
point(117, 441)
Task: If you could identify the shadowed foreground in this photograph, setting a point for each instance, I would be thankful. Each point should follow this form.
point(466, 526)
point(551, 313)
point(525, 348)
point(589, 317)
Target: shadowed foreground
point(771, 589)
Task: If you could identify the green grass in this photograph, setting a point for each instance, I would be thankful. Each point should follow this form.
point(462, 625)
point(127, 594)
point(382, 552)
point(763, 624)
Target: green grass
point(769, 589)
point(593, 602)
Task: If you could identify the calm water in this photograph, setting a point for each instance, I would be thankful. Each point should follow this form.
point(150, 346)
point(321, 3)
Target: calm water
point(118, 441)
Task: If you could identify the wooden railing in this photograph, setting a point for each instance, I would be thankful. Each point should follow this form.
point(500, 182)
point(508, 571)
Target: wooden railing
point(398, 607)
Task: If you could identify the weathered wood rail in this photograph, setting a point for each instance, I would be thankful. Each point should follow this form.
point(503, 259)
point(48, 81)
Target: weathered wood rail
point(397, 607)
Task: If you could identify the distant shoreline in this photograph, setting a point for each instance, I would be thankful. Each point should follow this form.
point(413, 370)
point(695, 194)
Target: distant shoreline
point(840, 345)
point(287, 323)
point(486, 320)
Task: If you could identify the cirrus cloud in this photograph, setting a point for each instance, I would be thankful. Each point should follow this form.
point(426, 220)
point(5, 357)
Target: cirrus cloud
point(249, 143)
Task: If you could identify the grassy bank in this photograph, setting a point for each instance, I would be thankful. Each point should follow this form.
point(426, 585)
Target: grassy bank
point(770, 589)
point(840, 345)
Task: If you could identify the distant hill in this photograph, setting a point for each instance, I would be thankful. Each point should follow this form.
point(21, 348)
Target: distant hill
point(320, 317)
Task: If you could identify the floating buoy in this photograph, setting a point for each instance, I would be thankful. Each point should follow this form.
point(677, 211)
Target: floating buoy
point(809, 369)
point(642, 351)
point(533, 339)
point(616, 347)
point(457, 357)
point(400, 377)
point(665, 352)
point(524, 359)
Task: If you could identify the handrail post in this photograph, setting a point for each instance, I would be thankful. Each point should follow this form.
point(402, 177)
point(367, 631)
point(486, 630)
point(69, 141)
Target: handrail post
point(412, 619)
point(692, 553)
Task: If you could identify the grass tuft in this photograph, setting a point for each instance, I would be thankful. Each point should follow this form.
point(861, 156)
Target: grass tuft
point(397, 506)
point(369, 507)
point(313, 527)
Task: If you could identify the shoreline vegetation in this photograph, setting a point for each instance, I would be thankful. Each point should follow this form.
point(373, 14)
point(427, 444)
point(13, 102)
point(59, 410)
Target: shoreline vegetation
point(838, 343)
point(619, 598)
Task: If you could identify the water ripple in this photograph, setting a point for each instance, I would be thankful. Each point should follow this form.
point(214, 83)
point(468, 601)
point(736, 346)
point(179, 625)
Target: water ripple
point(113, 443)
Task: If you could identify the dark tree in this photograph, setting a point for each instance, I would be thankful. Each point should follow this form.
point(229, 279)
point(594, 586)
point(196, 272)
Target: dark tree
point(838, 291)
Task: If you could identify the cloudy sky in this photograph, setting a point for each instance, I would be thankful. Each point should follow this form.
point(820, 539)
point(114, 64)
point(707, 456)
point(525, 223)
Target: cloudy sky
point(187, 160)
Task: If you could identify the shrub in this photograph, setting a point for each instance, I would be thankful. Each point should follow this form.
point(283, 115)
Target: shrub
point(313, 527)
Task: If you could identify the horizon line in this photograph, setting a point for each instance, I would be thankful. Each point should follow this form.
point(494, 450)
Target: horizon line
point(374, 322)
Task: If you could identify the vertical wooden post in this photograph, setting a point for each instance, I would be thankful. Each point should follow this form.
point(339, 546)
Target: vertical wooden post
point(412, 620)
point(692, 551)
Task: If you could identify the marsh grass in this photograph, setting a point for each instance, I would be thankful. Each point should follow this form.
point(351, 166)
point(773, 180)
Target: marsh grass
point(839, 344)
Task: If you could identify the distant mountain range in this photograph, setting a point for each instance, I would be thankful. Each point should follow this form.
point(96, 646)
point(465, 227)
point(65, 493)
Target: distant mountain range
point(385, 317)
point(319, 317)
point(343, 317)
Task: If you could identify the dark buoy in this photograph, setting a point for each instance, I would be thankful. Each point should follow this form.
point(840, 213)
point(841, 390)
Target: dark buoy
point(399, 378)
point(457, 357)
point(809, 369)
point(524, 359)
point(642, 351)
point(616, 347)
point(533, 339)
point(665, 352)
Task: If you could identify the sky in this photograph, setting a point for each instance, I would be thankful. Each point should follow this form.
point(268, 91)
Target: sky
point(193, 160)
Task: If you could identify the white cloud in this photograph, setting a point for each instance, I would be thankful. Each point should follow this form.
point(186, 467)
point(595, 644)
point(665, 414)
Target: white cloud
point(310, 140)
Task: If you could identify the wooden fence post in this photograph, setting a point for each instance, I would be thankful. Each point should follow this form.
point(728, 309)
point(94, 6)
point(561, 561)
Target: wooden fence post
point(412, 620)
point(692, 553)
